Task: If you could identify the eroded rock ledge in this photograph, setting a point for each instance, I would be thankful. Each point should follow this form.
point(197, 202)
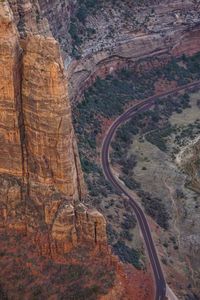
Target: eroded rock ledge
point(164, 29)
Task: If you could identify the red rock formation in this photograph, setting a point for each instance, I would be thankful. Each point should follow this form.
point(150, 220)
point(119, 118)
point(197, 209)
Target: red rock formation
point(189, 44)
point(40, 174)
point(50, 144)
point(11, 169)
point(10, 144)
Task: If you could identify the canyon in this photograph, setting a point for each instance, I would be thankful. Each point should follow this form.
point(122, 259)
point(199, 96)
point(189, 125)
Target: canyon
point(43, 193)
point(43, 196)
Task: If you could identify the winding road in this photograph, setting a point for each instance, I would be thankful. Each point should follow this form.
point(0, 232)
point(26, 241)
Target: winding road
point(160, 283)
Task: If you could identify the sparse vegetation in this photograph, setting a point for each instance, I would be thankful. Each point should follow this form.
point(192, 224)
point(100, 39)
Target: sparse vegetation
point(107, 99)
point(79, 276)
point(156, 208)
point(127, 254)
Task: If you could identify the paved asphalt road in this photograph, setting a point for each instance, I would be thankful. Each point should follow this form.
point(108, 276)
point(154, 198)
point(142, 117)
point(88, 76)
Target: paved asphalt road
point(160, 282)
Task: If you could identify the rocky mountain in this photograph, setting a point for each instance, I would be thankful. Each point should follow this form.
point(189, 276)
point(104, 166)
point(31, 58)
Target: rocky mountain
point(41, 181)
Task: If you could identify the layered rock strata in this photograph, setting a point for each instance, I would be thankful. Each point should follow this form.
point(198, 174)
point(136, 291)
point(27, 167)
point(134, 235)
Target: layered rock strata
point(40, 173)
point(10, 56)
point(123, 34)
point(83, 73)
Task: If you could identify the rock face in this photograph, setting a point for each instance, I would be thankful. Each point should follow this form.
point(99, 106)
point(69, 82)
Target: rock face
point(78, 224)
point(10, 143)
point(59, 10)
point(123, 34)
point(51, 150)
point(71, 226)
point(40, 173)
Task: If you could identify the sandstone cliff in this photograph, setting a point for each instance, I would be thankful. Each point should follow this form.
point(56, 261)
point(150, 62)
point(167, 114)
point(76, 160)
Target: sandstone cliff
point(50, 144)
point(10, 55)
point(40, 173)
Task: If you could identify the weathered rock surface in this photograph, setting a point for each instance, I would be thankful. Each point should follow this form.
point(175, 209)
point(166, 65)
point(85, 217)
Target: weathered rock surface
point(71, 226)
point(10, 143)
point(40, 173)
point(126, 33)
point(49, 137)
point(58, 14)
point(28, 19)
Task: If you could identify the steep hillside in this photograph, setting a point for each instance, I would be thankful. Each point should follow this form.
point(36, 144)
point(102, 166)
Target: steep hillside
point(102, 36)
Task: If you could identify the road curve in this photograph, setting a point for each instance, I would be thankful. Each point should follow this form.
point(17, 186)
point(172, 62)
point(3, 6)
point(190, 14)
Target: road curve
point(159, 278)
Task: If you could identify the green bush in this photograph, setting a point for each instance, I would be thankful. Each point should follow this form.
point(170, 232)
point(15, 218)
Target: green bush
point(156, 208)
point(129, 222)
point(127, 255)
point(82, 13)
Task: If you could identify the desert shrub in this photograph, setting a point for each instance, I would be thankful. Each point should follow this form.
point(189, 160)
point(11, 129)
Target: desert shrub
point(78, 292)
point(125, 234)
point(198, 103)
point(191, 296)
point(67, 273)
point(129, 222)
point(112, 234)
point(158, 137)
point(129, 163)
point(164, 260)
point(82, 13)
point(3, 293)
point(156, 208)
point(37, 292)
point(126, 254)
point(88, 166)
point(131, 183)
point(155, 139)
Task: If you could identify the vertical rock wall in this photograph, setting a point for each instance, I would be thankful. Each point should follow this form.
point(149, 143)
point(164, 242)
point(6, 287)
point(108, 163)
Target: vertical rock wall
point(10, 61)
point(41, 181)
point(49, 135)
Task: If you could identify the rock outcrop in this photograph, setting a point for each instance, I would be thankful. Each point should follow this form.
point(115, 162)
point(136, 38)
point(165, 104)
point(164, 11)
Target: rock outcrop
point(71, 226)
point(40, 173)
point(58, 13)
point(123, 33)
